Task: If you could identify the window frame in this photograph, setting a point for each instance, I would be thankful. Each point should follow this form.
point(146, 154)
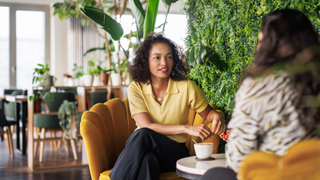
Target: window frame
point(13, 8)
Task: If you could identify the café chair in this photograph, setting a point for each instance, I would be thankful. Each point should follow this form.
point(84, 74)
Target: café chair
point(105, 129)
point(50, 122)
point(10, 107)
point(301, 162)
point(98, 97)
point(7, 124)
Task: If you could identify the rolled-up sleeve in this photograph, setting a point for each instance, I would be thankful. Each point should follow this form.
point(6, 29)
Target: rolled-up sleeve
point(196, 97)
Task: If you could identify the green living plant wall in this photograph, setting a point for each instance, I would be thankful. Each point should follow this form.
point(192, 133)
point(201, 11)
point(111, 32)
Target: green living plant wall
point(231, 27)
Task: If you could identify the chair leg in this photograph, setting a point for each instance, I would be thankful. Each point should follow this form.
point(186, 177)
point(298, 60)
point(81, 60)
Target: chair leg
point(42, 136)
point(36, 135)
point(74, 149)
point(6, 137)
point(66, 146)
point(80, 145)
point(59, 141)
point(51, 142)
point(55, 143)
point(10, 142)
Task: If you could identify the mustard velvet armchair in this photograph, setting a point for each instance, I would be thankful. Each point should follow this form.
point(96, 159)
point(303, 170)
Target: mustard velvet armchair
point(302, 162)
point(105, 129)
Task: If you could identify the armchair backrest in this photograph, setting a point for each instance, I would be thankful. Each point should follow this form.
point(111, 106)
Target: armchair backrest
point(301, 162)
point(106, 128)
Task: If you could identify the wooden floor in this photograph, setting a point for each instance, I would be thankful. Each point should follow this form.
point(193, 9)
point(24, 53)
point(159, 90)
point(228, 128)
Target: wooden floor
point(16, 168)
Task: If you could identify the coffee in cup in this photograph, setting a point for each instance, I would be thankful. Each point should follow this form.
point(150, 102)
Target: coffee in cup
point(203, 150)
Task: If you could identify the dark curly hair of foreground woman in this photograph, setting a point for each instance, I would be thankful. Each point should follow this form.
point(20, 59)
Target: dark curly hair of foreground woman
point(139, 69)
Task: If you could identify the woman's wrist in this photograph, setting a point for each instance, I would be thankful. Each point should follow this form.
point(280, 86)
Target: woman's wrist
point(186, 129)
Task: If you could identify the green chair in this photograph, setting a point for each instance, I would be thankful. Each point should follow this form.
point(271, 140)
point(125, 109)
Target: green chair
point(98, 97)
point(49, 122)
point(9, 107)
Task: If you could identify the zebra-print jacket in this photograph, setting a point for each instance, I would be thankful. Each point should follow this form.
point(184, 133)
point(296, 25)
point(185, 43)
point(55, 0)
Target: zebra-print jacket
point(264, 118)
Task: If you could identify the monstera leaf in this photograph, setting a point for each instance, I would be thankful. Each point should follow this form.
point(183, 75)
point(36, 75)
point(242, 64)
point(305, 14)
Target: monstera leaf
point(108, 23)
point(206, 55)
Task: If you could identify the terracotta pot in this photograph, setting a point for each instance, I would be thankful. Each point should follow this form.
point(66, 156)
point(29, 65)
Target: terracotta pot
point(37, 106)
point(104, 77)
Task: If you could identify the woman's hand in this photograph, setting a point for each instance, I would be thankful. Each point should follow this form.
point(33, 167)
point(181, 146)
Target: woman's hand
point(201, 131)
point(218, 127)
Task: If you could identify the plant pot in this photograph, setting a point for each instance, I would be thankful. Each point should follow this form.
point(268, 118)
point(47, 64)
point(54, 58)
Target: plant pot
point(96, 80)
point(46, 80)
point(67, 81)
point(37, 106)
point(115, 78)
point(87, 79)
point(104, 77)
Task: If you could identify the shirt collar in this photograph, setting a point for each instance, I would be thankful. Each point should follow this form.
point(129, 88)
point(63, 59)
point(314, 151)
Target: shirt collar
point(172, 87)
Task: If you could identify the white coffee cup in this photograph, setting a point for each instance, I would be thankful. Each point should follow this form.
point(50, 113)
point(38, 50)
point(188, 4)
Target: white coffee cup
point(203, 150)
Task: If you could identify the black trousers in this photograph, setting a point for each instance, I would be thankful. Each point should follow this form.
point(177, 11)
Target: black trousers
point(219, 174)
point(147, 153)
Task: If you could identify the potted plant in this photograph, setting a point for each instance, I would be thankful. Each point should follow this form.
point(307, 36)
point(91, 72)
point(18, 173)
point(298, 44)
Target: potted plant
point(78, 73)
point(41, 75)
point(88, 77)
point(67, 115)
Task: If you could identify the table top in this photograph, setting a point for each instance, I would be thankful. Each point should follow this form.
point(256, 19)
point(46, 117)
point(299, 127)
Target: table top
point(192, 166)
point(17, 98)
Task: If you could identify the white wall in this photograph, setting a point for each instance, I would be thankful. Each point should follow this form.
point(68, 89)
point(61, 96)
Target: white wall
point(59, 49)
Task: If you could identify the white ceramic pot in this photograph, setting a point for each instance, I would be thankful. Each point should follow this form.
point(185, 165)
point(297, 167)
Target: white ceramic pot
point(115, 78)
point(87, 79)
point(67, 81)
point(96, 80)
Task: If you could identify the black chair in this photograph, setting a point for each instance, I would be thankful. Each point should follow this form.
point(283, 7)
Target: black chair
point(7, 124)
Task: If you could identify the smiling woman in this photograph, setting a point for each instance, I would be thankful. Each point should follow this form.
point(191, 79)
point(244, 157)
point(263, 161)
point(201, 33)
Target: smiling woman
point(159, 99)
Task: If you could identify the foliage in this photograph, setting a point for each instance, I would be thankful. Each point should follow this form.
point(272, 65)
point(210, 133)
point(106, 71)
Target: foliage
point(111, 48)
point(105, 21)
point(39, 72)
point(66, 114)
point(146, 20)
point(93, 68)
point(206, 55)
point(230, 28)
point(77, 71)
point(67, 9)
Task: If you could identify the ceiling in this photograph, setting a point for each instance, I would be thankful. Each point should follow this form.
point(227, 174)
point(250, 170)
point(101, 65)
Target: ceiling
point(176, 8)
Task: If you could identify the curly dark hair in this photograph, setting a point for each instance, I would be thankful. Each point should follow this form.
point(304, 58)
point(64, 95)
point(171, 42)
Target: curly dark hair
point(139, 70)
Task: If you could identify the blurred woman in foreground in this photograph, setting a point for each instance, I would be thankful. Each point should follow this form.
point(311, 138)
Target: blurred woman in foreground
point(272, 111)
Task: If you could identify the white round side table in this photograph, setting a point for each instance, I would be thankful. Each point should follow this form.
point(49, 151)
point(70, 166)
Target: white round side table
point(190, 168)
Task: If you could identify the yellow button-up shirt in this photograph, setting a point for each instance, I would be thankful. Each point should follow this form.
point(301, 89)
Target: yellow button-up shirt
point(178, 99)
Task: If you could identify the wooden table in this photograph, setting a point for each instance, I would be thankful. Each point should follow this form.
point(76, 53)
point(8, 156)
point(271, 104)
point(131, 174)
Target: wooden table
point(190, 168)
point(21, 102)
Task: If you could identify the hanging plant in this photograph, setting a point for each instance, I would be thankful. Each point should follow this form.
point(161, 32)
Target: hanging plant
point(67, 115)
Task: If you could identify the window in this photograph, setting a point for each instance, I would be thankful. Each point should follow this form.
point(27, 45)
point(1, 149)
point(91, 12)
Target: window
point(24, 43)
point(4, 47)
